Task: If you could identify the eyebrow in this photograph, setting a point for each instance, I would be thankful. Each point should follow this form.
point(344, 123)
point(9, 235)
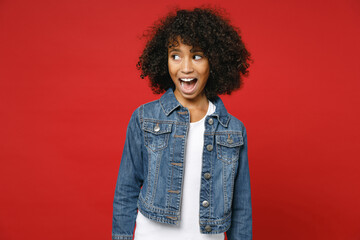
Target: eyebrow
point(174, 50)
point(194, 50)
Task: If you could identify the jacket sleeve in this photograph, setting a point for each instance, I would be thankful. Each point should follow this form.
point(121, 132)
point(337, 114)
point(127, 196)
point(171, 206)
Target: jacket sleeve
point(129, 182)
point(241, 220)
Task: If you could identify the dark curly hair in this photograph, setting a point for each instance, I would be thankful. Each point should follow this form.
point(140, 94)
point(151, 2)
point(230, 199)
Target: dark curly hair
point(207, 29)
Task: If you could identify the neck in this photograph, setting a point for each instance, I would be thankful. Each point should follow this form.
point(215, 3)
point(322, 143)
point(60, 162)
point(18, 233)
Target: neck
point(198, 107)
point(197, 102)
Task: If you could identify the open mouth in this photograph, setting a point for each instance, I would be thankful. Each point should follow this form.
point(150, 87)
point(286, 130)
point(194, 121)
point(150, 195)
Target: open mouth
point(188, 84)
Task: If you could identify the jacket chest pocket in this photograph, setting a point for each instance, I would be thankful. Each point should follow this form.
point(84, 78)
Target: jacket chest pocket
point(156, 135)
point(228, 147)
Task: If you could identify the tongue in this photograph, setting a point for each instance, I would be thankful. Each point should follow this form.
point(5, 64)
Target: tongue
point(189, 85)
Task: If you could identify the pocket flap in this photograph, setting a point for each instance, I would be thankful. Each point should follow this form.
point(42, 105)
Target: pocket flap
point(230, 140)
point(157, 127)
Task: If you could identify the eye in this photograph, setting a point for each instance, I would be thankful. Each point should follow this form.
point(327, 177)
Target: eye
point(175, 57)
point(197, 57)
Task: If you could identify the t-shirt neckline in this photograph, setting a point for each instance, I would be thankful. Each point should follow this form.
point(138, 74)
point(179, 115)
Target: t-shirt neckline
point(210, 110)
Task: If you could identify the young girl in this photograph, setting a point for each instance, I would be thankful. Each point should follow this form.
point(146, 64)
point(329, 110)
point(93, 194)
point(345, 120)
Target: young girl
point(184, 164)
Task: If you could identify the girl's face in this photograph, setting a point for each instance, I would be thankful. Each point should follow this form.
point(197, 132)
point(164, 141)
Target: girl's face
point(189, 70)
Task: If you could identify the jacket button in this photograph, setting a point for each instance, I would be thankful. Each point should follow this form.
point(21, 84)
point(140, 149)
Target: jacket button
point(211, 121)
point(208, 228)
point(209, 147)
point(207, 176)
point(205, 203)
point(157, 128)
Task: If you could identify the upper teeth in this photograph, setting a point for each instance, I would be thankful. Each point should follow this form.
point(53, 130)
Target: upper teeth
point(187, 79)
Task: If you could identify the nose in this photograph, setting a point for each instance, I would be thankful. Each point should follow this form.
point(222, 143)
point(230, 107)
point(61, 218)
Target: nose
point(186, 66)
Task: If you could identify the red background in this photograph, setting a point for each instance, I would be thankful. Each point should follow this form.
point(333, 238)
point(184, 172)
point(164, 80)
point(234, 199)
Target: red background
point(68, 85)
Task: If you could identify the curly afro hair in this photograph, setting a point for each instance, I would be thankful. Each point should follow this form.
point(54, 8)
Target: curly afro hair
point(207, 29)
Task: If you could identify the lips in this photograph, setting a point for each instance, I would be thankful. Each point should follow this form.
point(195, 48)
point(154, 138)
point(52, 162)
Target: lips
point(188, 85)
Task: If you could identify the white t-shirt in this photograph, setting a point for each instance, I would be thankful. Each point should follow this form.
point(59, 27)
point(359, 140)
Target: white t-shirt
point(189, 228)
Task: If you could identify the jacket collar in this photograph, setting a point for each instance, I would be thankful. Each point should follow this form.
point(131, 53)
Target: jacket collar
point(169, 103)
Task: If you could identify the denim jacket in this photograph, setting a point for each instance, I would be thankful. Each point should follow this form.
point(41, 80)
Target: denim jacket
point(152, 169)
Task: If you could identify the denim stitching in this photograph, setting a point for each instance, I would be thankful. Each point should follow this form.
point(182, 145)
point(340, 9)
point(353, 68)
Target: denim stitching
point(169, 196)
point(224, 187)
point(217, 221)
point(233, 178)
point(182, 157)
point(122, 237)
point(150, 207)
point(210, 186)
point(166, 140)
point(158, 219)
point(148, 188)
point(158, 161)
point(153, 120)
point(141, 114)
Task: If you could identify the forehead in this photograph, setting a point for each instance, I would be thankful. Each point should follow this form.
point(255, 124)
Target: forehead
point(178, 43)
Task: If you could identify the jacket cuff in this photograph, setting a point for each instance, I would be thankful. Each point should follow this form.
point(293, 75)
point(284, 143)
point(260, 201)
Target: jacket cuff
point(122, 237)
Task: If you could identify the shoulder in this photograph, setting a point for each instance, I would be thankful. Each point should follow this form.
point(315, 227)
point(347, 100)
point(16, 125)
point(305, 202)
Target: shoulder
point(236, 125)
point(148, 110)
point(235, 122)
point(149, 106)
point(151, 110)
point(226, 119)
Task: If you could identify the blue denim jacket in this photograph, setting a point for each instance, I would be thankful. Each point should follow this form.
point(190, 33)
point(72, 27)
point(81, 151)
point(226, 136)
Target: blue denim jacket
point(152, 168)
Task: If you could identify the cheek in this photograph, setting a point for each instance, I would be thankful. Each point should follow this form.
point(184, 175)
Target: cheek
point(171, 69)
point(205, 71)
point(172, 73)
point(205, 66)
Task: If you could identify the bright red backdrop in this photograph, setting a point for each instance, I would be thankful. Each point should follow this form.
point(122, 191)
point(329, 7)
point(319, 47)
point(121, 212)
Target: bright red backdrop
point(68, 85)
